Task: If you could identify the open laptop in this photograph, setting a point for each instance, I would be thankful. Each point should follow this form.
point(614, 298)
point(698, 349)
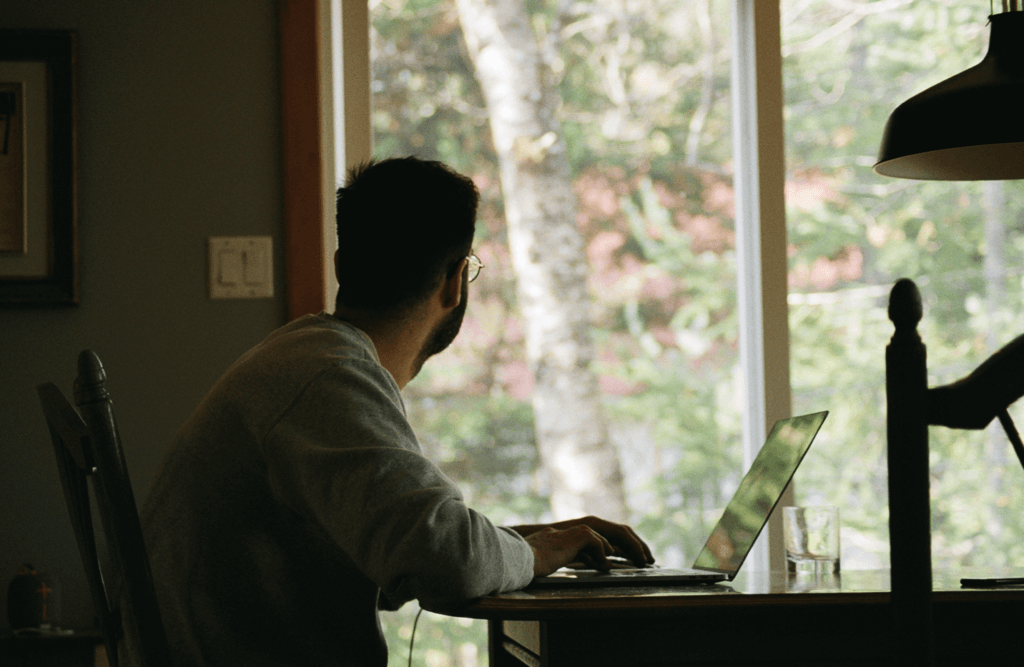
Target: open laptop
point(734, 534)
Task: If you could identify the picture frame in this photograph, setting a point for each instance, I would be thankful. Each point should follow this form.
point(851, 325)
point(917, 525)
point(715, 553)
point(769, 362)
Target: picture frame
point(38, 182)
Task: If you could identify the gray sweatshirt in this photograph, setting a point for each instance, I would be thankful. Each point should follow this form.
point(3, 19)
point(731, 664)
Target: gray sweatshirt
point(294, 497)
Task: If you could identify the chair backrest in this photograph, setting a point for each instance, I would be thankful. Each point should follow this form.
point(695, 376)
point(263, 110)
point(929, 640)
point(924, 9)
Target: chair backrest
point(969, 403)
point(87, 445)
point(906, 387)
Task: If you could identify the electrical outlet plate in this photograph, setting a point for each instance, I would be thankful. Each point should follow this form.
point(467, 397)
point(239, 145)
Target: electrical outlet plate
point(241, 267)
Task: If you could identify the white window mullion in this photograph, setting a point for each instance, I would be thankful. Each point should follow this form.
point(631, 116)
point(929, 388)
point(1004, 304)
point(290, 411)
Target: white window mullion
point(345, 95)
point(331, 131)
point(758, 146)
point(354, 82)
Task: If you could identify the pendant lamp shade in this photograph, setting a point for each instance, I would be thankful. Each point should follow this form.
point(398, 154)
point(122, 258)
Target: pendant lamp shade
point(968, 127)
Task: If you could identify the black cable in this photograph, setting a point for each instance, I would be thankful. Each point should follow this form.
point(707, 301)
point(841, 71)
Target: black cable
point(413, 638)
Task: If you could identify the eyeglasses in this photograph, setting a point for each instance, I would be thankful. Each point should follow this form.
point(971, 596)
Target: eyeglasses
point(473, 267)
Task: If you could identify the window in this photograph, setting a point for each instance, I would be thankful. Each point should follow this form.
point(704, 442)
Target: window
point(644, 102)
point(853, 234)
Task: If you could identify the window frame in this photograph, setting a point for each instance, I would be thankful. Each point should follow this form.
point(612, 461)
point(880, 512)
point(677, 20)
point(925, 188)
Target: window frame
point(325, 65)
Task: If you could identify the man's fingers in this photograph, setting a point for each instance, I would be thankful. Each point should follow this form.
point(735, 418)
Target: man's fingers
point(595, 548)
point(627, 542)
point(589, 540)
point(629, 545)
point(637, 548)
point(554, 548)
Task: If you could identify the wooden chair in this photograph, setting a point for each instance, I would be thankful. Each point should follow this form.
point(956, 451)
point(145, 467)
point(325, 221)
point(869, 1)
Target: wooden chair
point(970, 403)
point(87, 445)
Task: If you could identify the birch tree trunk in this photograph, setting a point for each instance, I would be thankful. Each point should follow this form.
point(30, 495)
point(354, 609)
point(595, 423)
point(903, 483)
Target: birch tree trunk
point(548, 257)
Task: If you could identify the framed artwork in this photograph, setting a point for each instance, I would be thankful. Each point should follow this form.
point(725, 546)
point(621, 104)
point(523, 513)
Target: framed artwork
point(38, 209)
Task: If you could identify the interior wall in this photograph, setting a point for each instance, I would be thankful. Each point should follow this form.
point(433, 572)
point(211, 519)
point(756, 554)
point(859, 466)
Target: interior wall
point(178, 140)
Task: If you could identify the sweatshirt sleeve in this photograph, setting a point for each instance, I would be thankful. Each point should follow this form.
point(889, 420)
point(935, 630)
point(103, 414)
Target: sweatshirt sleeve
point(344, 456)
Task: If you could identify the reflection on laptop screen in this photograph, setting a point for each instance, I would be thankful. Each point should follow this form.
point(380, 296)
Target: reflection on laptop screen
point(758, 493)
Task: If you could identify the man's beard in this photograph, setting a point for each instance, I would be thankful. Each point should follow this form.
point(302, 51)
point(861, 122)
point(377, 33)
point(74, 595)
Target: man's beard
point(445, 331)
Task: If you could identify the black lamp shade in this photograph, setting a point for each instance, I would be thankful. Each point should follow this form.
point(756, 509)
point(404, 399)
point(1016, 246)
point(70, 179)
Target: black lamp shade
point(968, 127)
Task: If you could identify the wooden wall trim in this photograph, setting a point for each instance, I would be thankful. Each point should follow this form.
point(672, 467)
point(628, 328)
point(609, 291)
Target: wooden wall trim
point(301, 157)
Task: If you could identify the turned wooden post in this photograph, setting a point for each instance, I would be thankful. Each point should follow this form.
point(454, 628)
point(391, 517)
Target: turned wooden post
point(138, 614)
point(906, 385)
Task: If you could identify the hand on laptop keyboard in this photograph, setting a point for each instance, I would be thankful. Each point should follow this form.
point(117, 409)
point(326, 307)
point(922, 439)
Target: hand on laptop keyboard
point(594, 542)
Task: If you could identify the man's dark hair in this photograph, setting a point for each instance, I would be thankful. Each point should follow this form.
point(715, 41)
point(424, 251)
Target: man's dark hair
point(403, 225)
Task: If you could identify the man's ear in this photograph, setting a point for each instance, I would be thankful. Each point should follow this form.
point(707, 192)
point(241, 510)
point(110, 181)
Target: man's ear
point(451, 289)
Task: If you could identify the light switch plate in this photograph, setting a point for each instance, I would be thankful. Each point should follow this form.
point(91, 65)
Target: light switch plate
point(241, 267)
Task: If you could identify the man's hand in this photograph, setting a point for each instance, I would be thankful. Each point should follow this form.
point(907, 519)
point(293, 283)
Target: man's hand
point(590, 540)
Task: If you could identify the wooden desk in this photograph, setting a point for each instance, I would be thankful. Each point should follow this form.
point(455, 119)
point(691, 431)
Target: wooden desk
point(774, 619)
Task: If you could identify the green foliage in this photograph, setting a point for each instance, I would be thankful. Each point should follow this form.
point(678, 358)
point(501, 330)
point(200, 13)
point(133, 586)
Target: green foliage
point(488, 445)
point(439, 640)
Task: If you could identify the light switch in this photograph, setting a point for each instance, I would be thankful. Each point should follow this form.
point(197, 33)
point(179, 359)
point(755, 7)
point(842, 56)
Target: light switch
point(241, 267)
point(256, 265)
point(229, 271)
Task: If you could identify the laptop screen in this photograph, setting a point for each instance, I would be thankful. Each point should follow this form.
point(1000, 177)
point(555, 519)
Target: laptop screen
point(758, 493)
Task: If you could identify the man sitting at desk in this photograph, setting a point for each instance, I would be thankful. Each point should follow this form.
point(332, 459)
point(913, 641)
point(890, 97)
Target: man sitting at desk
point(295, 501)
